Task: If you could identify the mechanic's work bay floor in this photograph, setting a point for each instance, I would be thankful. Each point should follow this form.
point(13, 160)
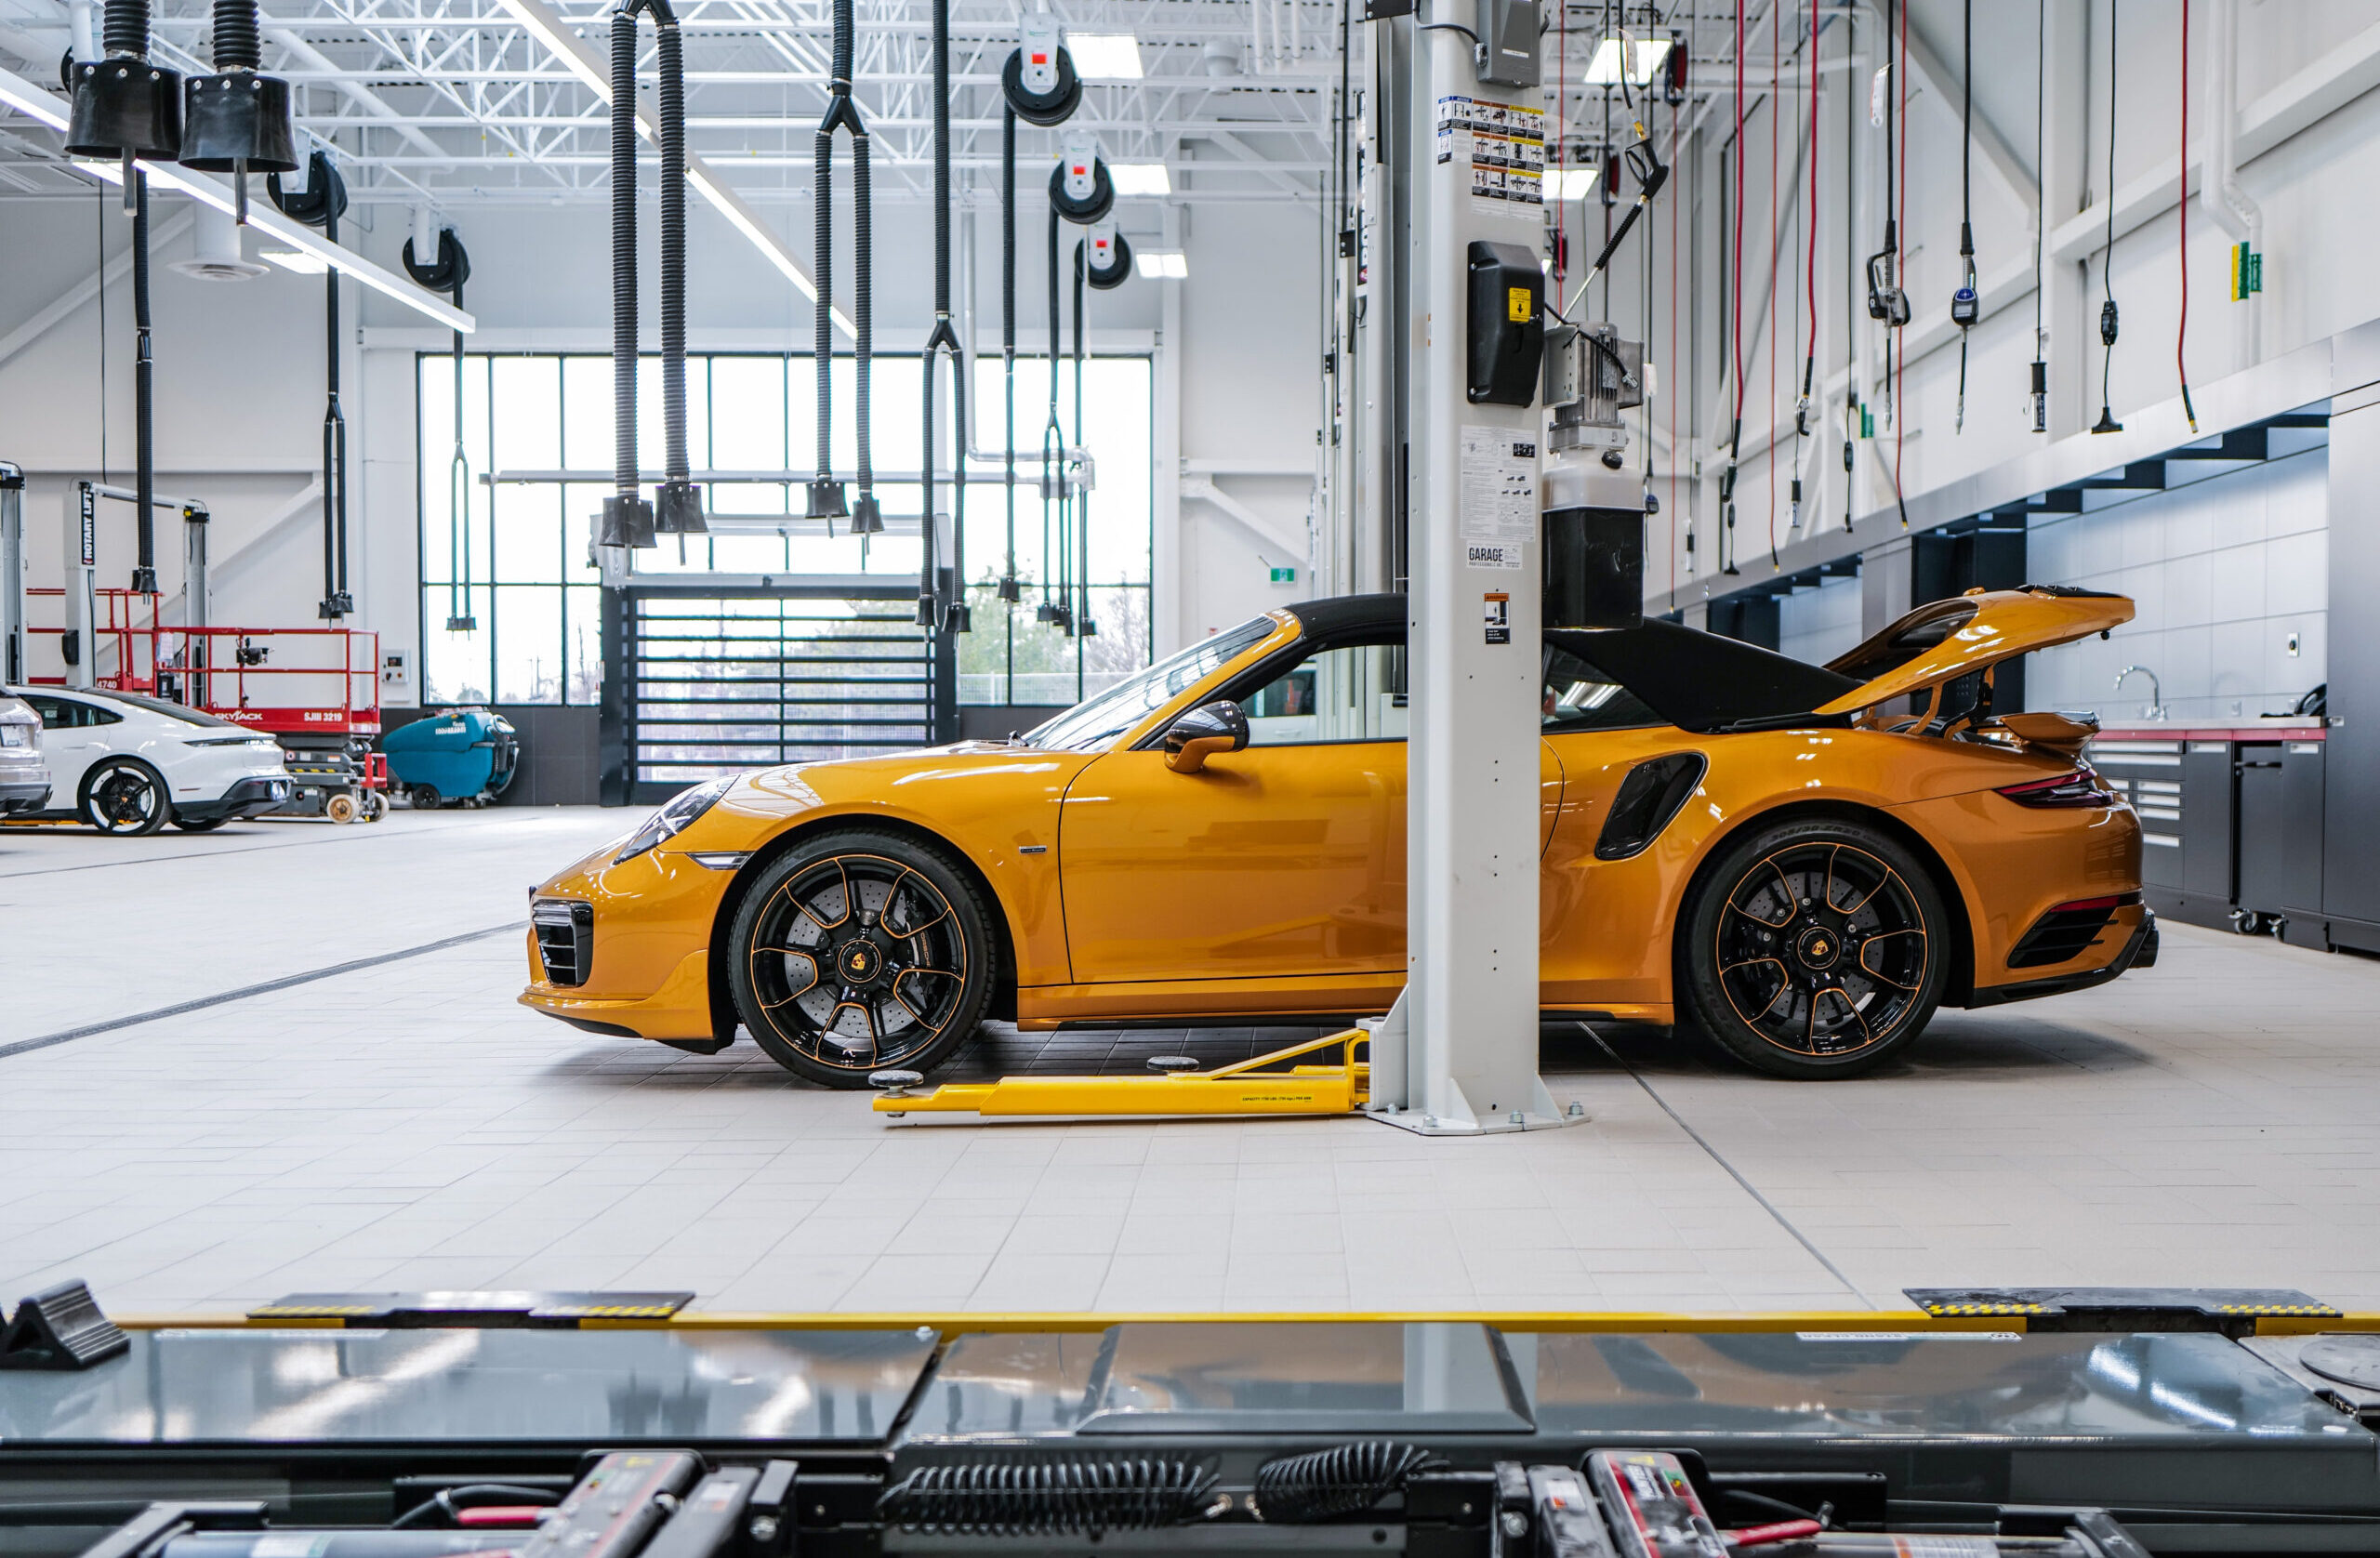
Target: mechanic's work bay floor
point(398, 1122)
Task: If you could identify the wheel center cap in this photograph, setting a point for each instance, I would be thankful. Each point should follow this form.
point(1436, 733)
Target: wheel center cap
point(1819, 947)
point(860, 961)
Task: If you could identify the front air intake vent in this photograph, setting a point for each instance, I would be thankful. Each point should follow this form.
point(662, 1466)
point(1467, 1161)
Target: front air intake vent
point(565, 930)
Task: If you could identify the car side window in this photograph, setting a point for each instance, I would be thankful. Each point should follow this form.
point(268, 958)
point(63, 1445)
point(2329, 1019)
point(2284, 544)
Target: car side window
point(93, 714)
point(1578, 697)
point(60, 714)
point(1338, 692)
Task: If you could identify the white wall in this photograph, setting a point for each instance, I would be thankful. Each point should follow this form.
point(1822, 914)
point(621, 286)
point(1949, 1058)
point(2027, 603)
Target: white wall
point(1817, 625)
point(2224, 572)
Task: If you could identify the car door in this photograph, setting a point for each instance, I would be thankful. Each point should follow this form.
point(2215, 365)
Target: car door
point(73, 736)
point(1285, 860)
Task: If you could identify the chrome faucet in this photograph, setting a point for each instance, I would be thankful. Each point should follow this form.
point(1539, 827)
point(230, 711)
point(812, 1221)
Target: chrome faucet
point(2156, 691)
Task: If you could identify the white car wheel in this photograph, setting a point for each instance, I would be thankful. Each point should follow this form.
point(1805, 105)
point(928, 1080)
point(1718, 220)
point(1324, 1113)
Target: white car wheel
point(126, 798)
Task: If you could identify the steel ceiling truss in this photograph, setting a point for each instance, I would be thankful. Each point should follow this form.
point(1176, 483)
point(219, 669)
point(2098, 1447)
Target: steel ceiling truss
point(444, 102)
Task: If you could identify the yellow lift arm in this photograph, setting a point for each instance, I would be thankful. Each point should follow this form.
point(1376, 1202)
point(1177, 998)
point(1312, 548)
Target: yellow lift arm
point(1265, 1085)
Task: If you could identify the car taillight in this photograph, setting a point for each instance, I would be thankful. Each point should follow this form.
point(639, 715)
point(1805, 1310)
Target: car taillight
point(2066, 789)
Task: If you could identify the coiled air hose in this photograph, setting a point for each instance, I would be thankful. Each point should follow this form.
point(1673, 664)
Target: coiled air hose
point(1343, 1480)
point(1072, 1496)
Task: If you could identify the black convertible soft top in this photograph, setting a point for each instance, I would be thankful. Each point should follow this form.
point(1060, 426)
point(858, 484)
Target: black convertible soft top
point(1700, 681)
point(1695, 680)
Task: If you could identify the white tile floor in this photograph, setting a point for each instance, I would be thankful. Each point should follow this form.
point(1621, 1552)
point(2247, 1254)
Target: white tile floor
point(406, 1125)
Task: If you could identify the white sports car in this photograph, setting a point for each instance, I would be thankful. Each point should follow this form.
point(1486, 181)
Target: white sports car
point(129, 764)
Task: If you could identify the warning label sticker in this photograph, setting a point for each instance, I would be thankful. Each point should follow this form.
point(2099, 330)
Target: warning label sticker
point(1498, 489)
point(1496, 608)
point(1504, 143)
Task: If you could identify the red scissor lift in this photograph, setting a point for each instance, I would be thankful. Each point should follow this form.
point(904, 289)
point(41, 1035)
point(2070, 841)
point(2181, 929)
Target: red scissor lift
point(314, 689)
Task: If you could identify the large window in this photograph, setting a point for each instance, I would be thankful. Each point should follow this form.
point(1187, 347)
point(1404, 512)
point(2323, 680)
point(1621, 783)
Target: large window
point(510, 604)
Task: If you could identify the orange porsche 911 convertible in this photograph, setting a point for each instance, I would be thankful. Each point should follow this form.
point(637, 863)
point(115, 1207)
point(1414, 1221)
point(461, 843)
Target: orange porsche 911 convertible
point(1803, 861)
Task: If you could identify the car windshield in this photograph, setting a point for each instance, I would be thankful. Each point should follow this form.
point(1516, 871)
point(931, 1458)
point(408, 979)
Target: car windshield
point(171, 710)
point(1112, 713)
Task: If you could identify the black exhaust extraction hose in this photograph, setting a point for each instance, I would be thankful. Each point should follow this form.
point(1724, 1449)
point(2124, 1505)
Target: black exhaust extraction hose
point(827, 500)
point(680, 511)
point(622, 510)
point(144, 436)
point(1010, 591)
point(953, 615)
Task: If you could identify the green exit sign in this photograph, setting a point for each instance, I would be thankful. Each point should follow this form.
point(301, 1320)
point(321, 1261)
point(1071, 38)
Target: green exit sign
point(1285, 575)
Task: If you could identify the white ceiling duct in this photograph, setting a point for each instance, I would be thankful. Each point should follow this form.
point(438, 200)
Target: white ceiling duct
point(214, 250)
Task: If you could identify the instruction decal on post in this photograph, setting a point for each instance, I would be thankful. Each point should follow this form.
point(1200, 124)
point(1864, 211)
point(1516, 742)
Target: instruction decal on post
point(1497, 496)
point(1496, 611)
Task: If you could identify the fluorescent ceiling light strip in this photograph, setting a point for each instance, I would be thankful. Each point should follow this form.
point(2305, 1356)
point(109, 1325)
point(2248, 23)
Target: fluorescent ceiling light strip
point(1105, 56)
point(1141, 179)
point(32, 101)
point(549, 28)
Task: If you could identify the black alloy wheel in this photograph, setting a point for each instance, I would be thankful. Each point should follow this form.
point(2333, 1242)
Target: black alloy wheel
point(1815, 949)
point(859, 951)
point(126, 798)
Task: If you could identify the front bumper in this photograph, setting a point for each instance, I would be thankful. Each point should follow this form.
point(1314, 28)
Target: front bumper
point(250, 797)
point(680, 1009)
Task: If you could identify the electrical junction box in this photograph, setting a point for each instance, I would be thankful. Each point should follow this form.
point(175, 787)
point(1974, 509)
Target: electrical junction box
point(1039, 45)
point(1508, 53)
point(1506, 333)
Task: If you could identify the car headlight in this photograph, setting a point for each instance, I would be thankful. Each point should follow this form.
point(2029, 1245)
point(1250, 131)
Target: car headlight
point(676, 815)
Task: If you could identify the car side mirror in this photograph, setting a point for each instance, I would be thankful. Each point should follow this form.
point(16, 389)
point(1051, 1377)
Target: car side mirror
point(1204, 731)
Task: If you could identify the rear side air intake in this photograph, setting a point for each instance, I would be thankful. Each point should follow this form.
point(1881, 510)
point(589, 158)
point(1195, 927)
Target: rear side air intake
point(1654, 792)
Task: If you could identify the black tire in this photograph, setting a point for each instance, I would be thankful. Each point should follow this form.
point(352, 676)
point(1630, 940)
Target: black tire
point(424, 797)
point(906, 995)
point(200, 824)
point(126, 798)
point(1813, 949)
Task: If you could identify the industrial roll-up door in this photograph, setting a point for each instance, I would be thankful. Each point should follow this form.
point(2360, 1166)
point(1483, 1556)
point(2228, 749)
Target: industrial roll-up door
point(716, 683)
